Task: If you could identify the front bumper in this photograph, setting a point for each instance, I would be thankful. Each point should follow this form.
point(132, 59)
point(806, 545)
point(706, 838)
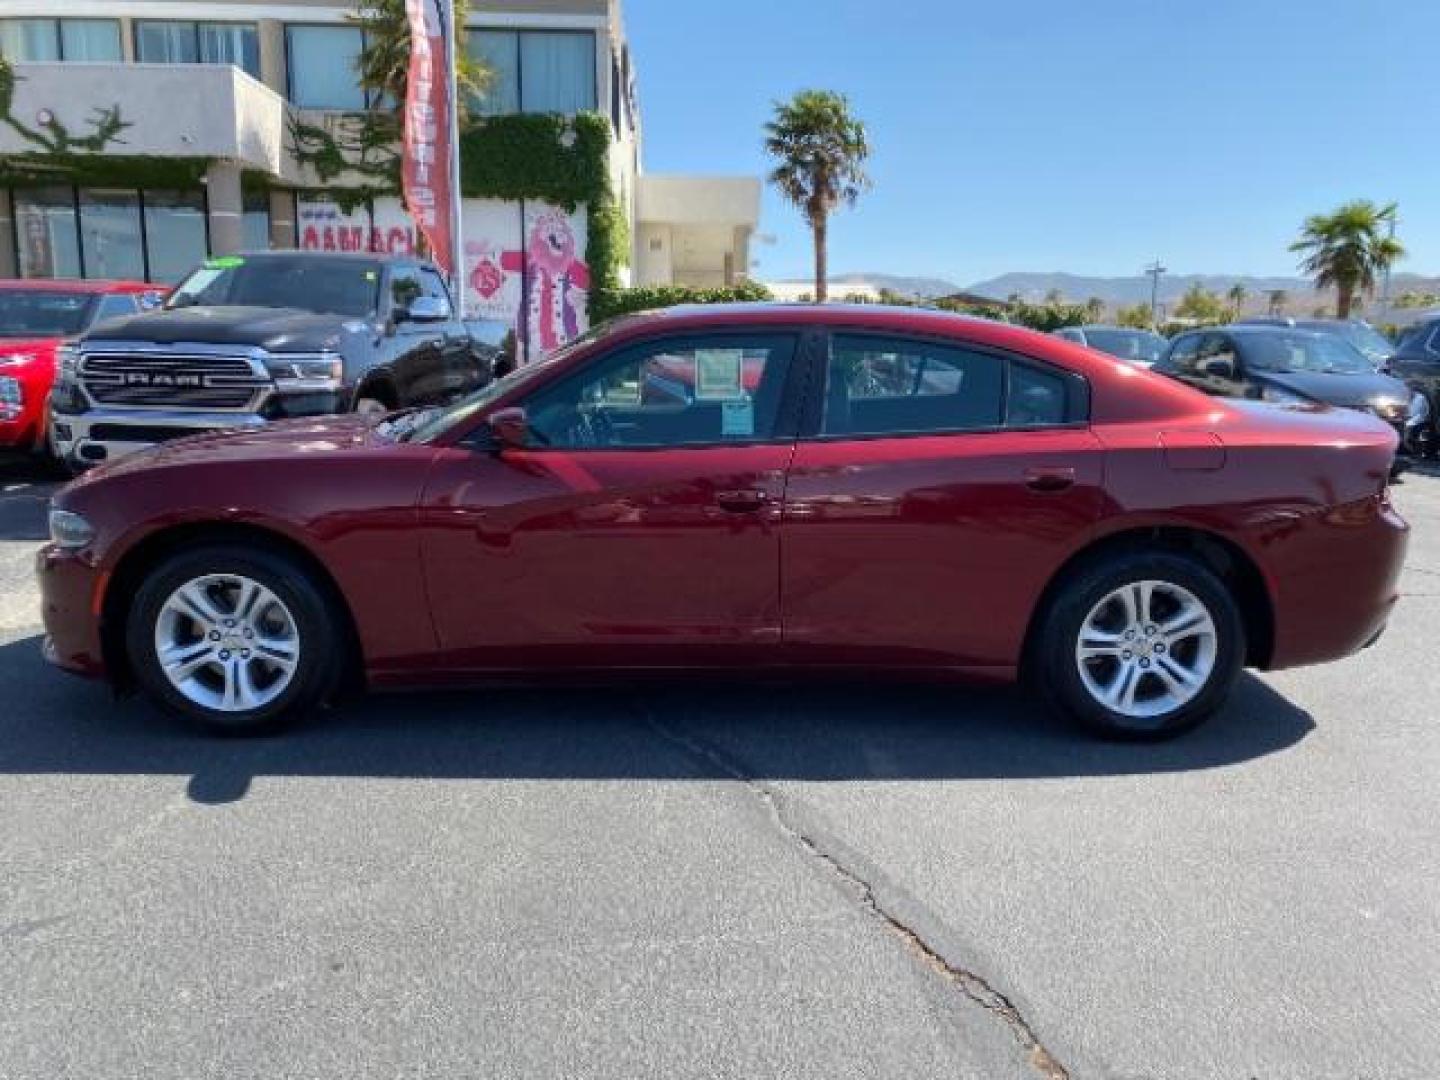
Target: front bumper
point(100, 435)
point(70, 594)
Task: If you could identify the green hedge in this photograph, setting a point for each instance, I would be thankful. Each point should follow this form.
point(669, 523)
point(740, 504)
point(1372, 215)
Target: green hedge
point(654, 297)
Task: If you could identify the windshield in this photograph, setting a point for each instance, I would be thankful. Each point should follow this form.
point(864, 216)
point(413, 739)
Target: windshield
point(431, 423)
point(1369, 341)
point(349, 287)
point(1319, 354)
point(1137, 346)
point(28, 313)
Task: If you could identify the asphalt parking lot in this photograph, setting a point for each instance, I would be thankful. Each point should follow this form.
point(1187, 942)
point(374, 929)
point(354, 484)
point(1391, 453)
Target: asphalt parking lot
point(724, 881)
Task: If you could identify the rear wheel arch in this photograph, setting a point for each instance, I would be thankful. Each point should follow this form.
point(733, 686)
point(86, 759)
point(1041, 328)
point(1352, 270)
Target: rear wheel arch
point(1223, 557)
point(152, 550)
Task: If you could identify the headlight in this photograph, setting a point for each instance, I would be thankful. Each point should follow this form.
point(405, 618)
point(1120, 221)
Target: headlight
point(310, 373)
point(1277, 396)
point(12, 397)
point(68, 359)
point(16, 358)
point(69, 530)
point(1388, 408)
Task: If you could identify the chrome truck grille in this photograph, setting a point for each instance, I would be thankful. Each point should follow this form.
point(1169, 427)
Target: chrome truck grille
point(178, 380)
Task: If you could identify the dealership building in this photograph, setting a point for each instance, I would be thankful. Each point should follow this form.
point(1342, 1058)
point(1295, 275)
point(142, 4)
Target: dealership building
point(138, 137)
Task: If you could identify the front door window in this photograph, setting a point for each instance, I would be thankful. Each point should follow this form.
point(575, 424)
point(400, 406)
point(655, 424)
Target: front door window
point(691, 392)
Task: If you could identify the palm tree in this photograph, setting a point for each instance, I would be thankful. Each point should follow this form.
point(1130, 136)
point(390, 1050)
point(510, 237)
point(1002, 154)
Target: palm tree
point(383, 67)
point(1094, 309)
point(1348, 250)
point(820, 152)
point(1237, 296)
point(1054, 298)
point(1277, 299)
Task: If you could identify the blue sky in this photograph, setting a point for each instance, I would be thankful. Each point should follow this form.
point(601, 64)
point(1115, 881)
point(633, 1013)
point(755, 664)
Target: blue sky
point(1081, 136)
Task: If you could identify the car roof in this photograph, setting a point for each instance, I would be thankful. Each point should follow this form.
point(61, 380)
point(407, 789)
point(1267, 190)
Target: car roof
point(1107, 326)
point(1257, 328)
point(77, 285)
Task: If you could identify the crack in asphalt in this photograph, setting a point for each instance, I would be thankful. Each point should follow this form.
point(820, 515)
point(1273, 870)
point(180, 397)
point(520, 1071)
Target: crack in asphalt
point(974, 987)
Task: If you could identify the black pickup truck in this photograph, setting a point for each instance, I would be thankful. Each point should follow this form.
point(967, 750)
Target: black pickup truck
point(247, 339)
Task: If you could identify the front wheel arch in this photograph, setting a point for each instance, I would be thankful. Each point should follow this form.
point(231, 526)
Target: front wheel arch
point(379, 386)
point(134, 564)
point(1227, 560)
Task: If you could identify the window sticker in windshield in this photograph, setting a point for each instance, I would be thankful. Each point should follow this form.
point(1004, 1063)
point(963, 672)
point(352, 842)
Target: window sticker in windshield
point(718, 374)
point(224, 262)
point(737, 419)
point(370, 275)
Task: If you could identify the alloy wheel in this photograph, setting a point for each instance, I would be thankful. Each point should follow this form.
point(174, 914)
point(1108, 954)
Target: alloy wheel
point(1147, 649)
point(227, 643)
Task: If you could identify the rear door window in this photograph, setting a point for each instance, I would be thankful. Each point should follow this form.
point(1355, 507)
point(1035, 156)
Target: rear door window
point(888, 386)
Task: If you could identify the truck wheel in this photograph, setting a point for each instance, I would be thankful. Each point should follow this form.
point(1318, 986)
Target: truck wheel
point(235, 640)
point(369, 406)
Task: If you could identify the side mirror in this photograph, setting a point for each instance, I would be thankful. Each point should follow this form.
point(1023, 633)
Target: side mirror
point(509, 428)
point(1219, 369)
point(424, 309)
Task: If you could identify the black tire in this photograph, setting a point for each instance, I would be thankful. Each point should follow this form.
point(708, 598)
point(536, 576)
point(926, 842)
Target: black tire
point(321, 645)
point(1056, 669)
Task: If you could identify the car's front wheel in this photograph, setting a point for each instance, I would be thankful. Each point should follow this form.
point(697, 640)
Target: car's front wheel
point(1141, 646)
point(236, 640)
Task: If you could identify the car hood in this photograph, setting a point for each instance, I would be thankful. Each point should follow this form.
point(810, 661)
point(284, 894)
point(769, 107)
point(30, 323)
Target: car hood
point(275, 329)
point(1346, 391)
point(9, 346)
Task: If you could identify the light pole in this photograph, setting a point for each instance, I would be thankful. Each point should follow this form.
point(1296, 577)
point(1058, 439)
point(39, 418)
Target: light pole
point(1155, 269)
point(1385, 289)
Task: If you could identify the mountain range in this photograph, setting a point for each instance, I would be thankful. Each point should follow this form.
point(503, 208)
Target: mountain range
point(1119, 291)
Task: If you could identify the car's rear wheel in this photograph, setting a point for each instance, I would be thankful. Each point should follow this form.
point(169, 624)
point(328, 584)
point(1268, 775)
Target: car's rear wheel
point(1141, 646)
point(235, 640)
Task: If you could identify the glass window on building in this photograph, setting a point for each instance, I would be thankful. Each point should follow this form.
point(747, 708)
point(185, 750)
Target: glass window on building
point(499, 52)
point(30, 39)
point(94, 40)
point(170, 42)
point(175, 237)
point(322, 66)
point(46, 241)
point(557, 72)
point(166, 43)
point(110, 235)
point(255, 222)
point(230, 43)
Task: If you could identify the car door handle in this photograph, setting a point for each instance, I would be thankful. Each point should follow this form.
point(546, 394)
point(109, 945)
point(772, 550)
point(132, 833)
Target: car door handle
point(742, 502)
point(1056, 478)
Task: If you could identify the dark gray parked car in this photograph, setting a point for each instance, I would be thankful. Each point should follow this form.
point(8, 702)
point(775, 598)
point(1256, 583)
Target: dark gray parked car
point(1417, 362)
point(1288, 367)
point(1142, 347)
point(247, 339)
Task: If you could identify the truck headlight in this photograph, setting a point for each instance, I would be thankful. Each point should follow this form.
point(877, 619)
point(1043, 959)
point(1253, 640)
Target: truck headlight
point(310, 373)
point(1388, 408)
point(69, 530)
point(67, 358)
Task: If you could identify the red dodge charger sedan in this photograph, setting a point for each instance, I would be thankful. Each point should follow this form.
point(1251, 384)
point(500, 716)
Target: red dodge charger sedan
point(745, 488)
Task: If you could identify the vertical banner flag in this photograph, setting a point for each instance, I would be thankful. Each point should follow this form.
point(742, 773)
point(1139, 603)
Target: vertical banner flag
point(427, 168)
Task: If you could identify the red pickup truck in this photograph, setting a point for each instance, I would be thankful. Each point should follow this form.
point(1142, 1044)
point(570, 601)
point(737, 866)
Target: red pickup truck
point(35, 317)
